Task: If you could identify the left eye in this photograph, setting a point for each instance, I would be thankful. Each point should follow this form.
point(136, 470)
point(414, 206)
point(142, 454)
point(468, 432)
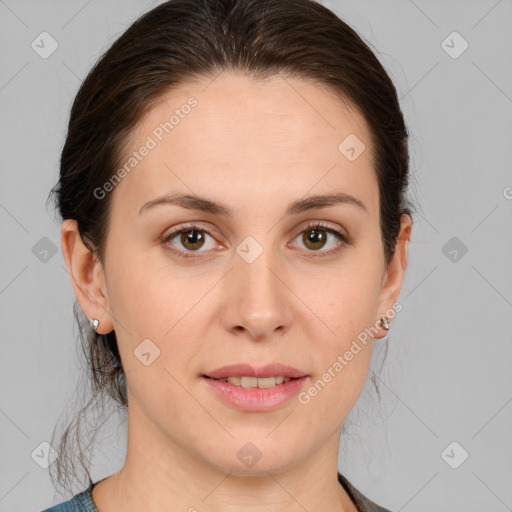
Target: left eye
point(316, 237)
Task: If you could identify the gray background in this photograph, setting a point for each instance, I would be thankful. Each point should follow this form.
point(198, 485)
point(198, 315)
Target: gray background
point(447, 375)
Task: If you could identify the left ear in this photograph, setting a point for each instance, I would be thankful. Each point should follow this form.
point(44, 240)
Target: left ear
point(394, 275)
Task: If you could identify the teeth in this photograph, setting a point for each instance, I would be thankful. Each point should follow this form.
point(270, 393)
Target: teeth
point(254, 382)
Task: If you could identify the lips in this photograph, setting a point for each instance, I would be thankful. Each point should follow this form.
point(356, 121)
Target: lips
point(247, 370)
point(255, 399)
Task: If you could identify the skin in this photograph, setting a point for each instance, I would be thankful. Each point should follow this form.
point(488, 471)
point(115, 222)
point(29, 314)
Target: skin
point(255, 146)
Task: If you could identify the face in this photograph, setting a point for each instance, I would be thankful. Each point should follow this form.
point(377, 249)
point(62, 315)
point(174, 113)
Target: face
point(191, 286)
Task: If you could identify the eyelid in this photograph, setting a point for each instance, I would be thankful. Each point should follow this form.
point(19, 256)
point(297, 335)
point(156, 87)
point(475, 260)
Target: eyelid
point(334, 229)
point(310, 224)
point(188, 226)
point(343, 238)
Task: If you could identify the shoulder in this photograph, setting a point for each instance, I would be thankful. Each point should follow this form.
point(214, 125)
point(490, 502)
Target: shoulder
point(81, 502)
point(362, 503)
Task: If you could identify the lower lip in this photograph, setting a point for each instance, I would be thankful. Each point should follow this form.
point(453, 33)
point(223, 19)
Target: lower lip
point(256, 399)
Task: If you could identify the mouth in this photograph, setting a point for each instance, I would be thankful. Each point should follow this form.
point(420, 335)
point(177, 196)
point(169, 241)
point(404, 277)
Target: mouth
point(255, 394)
point(247, 373)
point(248, 382)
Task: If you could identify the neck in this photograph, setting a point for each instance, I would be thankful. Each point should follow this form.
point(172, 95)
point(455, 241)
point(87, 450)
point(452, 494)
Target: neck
point(160, 474)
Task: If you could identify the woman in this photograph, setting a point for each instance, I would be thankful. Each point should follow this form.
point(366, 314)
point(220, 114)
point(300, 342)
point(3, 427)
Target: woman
point(235, 227)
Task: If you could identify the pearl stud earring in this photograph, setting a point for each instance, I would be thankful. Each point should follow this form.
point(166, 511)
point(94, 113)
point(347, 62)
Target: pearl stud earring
point(94, 323)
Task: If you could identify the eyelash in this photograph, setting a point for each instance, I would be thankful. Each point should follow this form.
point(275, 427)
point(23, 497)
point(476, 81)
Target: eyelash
point(312, 225)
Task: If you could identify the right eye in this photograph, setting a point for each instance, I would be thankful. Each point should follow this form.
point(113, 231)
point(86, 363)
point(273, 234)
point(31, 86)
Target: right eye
point(191, 237)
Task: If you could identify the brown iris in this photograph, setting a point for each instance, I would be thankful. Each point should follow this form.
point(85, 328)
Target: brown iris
point(315, 237)
point(193, 237)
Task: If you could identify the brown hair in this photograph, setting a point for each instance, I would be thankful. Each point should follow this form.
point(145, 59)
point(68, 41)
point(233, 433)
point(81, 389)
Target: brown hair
point(175, 43)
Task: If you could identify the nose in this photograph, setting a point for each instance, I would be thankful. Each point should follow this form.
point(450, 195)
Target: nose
point(257, 301)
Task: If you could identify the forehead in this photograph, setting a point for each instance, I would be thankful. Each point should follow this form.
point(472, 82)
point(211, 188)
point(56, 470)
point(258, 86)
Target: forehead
point(272, 139)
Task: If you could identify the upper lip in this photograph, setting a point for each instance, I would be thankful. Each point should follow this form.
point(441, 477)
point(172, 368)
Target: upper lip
point(267, 370)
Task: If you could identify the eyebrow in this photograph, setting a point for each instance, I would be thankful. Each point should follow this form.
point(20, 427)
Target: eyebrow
point(194, 202)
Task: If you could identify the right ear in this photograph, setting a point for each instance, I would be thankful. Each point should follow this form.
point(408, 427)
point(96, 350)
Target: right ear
point(87, 276)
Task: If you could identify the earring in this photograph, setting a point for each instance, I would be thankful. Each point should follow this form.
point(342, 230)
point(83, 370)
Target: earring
point(384, 322)
point(94, 323)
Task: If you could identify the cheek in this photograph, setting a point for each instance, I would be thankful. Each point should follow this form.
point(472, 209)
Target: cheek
point(343, 354)
point(144, 297)
point(345, 301)
point(153, 301)
point(345, 305)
